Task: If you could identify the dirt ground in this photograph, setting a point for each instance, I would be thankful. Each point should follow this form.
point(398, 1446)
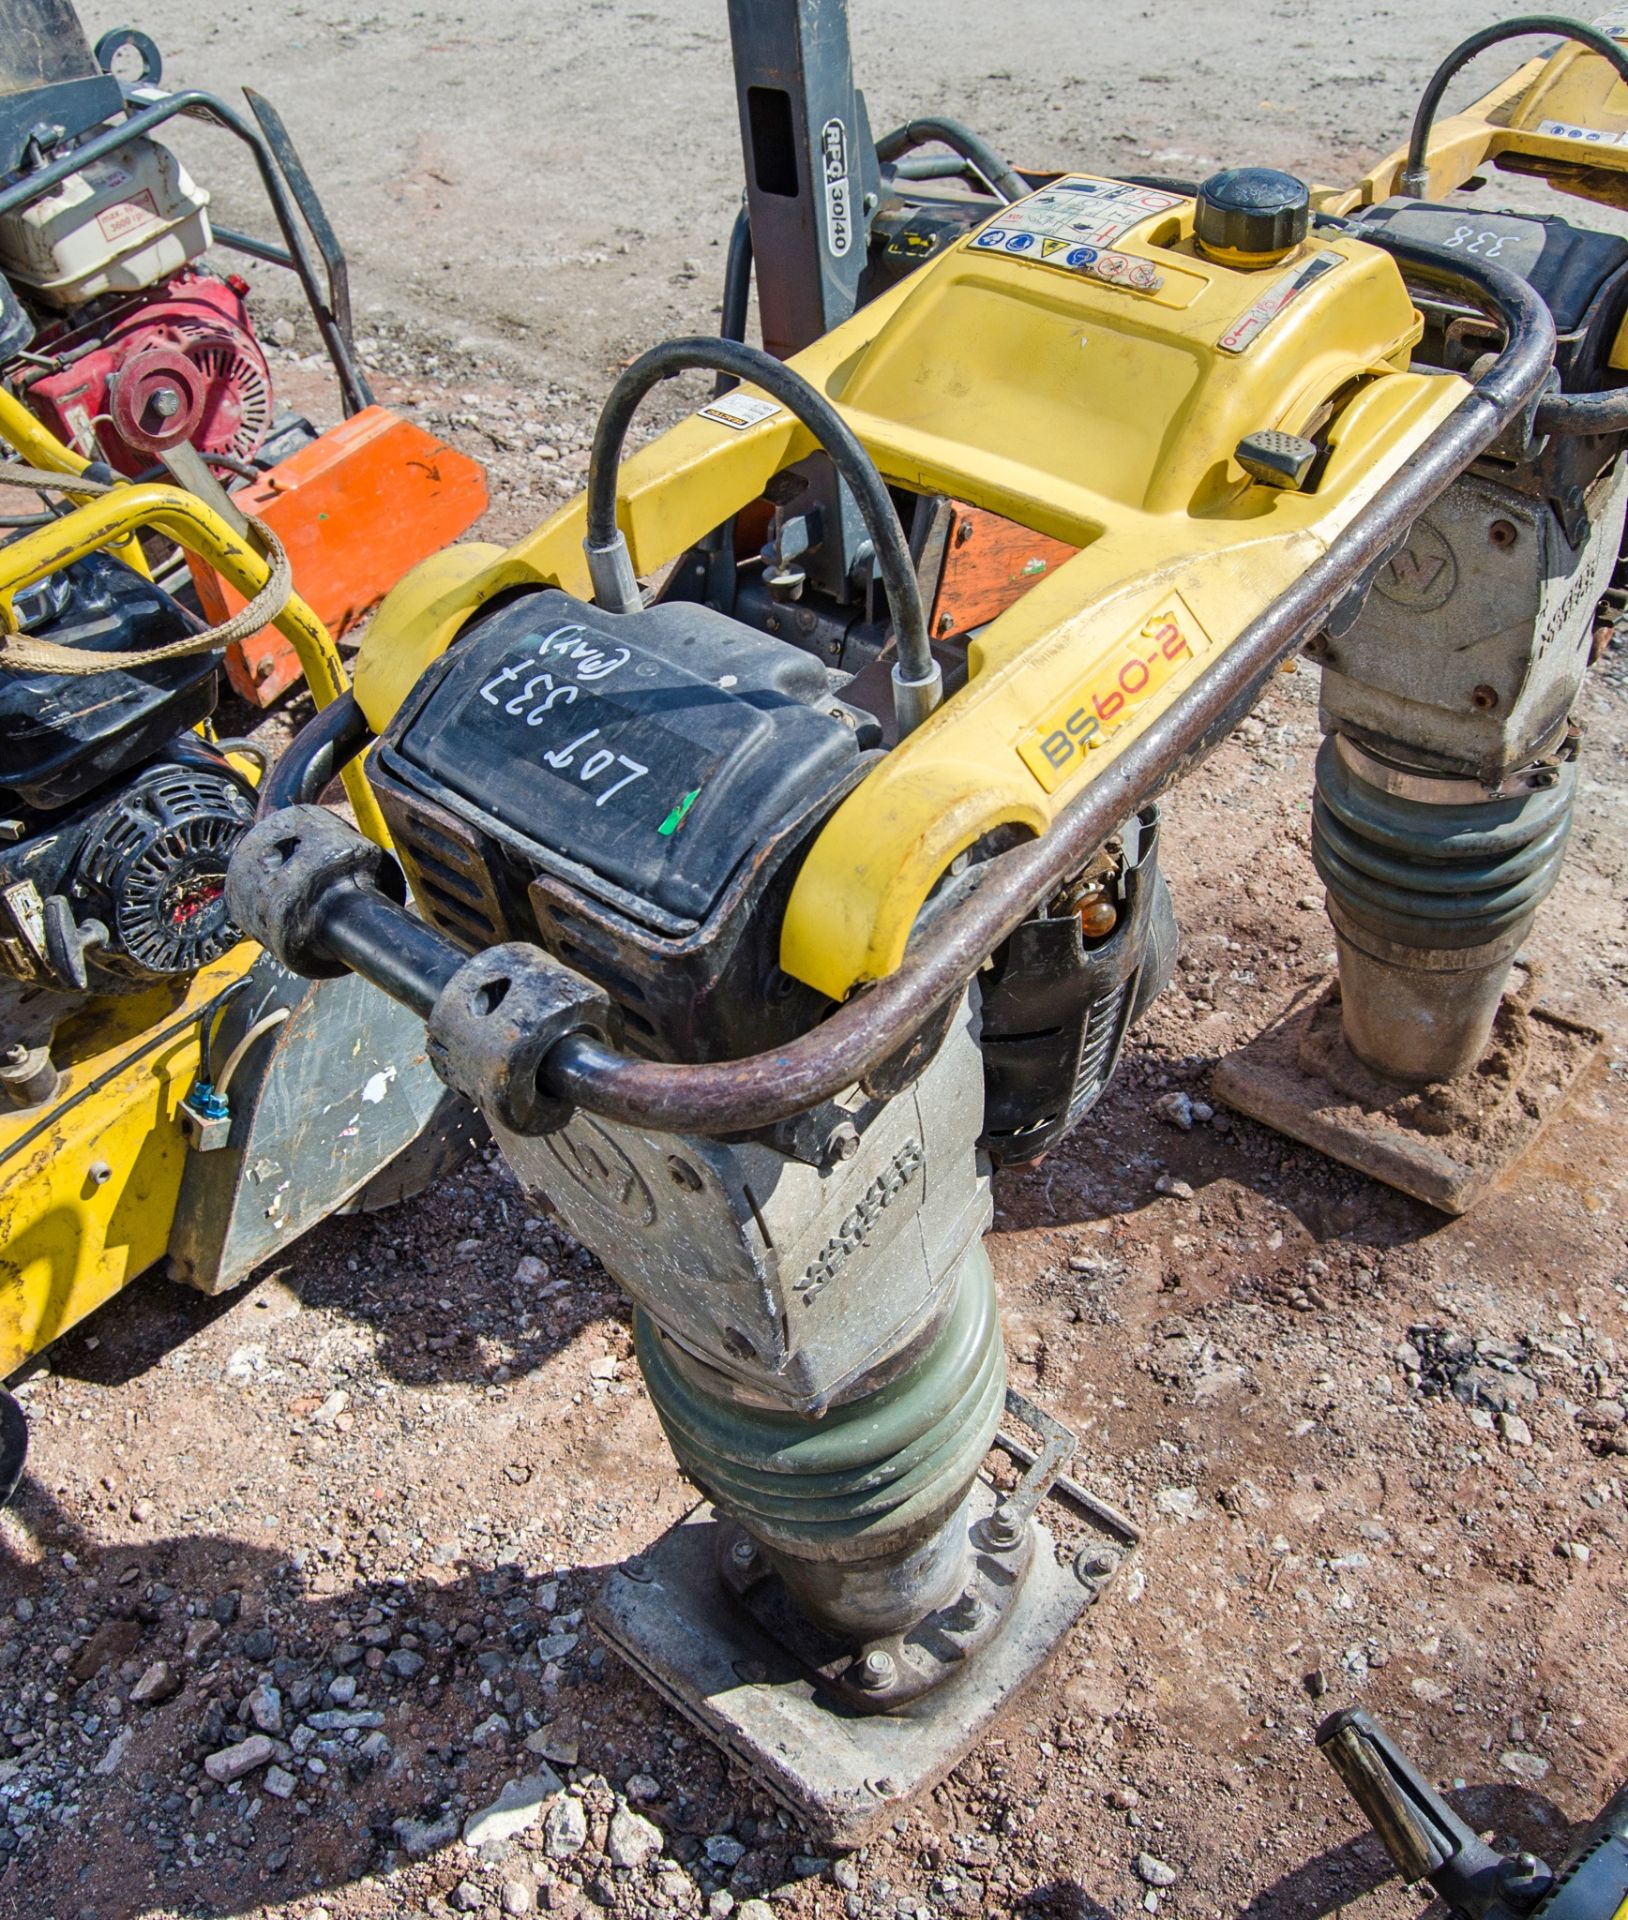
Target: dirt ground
point(1379, 1457)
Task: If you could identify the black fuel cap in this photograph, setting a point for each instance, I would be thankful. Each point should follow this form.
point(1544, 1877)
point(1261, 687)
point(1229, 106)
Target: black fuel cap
point(1252, 210)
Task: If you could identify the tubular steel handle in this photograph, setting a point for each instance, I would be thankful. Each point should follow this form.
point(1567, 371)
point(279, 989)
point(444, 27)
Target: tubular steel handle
point(191, 523)
point(740, 1096)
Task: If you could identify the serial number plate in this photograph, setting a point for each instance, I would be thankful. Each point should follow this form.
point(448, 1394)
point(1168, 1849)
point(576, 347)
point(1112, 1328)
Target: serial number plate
point(1112, 694)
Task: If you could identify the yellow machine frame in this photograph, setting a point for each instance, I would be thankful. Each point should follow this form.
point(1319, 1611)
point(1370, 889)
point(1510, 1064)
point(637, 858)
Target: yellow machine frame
point(88, 1188)
point(1077, 408)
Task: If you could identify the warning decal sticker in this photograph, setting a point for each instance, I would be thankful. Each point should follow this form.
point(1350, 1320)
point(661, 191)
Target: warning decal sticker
point(1254, 320)
point(1591, 136)
point(741, 410)
point(1074, 223)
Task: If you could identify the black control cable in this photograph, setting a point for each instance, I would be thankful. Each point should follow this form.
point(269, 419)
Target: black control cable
point(918, 684)
point(1416, 174)
point(1004, 182)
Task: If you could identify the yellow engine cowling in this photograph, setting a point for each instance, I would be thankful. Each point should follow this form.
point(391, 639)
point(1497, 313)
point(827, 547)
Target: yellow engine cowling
point(1092, 393)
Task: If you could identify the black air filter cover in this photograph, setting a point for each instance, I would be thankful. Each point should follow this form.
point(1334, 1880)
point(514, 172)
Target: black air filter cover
point(1570, 268)
point(653, 753)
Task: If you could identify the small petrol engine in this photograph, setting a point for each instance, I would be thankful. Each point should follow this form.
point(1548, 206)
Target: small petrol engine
point(110, 333)
point(116, 820)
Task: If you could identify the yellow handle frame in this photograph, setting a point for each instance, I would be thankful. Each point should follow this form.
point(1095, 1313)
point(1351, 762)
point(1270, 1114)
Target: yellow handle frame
point(40, 447)
point(190, 523)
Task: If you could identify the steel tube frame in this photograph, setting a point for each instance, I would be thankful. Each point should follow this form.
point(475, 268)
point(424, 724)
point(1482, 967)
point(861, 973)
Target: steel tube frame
point(331, 314)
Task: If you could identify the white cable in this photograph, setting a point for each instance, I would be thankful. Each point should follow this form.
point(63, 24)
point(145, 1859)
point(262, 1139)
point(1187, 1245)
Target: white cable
point(235, 1057)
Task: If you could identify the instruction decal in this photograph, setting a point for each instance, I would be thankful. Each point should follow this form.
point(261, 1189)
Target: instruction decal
point(1074, 223)
point(1590, 136)
point(1288, 287)
point(1111, 695)
point(740, 410)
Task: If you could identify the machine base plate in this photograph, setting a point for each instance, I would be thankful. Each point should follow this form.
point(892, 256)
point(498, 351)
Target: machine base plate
point(1444, 1144)
point(842, 1774)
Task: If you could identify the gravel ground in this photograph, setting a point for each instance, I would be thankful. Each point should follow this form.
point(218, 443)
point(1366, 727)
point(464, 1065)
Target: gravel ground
point(295, 1593)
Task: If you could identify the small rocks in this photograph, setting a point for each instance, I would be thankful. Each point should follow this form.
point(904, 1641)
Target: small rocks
point(420, 1838)
point(1181, 1110)
point(278, 1782)
point(1524, 1766)
point(404, 1664)
point(633, 1841)
point(232, 1763)
point(334, 1720)
point(263, 1708)
point(1154, 1872)
point(1513, 1430)
point(1177, 1189)
point(724, 1850)
point(518, 1808)
point(342, 1689)
point(1179, 1503)
point(113, 1640)
point(516, 1898)
point(565, 1829)
point(201, 1636)
point(328, 1413)
point(466, 1897)
point(158, 1682)
point(1479, 1371)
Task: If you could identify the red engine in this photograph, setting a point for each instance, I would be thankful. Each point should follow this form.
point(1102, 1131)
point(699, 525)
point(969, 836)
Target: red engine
point(179, 363)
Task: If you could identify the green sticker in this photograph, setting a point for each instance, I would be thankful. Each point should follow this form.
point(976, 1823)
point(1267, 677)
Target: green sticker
point(675, 819)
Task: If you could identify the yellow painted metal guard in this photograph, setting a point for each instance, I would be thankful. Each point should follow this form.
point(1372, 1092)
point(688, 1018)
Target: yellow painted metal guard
point(192, 524)
point(1097, 413)
point(88, 1188)
point(1560, 118)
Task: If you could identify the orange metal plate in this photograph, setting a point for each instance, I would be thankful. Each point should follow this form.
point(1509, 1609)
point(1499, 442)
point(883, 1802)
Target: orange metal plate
point(989, 563)
point(355, 509)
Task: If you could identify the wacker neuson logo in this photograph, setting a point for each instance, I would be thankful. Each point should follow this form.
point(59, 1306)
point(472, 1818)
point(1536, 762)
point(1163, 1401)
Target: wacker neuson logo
point(871, 1205)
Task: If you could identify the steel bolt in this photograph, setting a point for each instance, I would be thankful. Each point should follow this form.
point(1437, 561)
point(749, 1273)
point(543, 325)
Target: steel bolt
point(1093, 1563)
point(1484, 698)
point(637, 1568)
point(966, 1614)
point(100, 1172)
point(1502, 533)
point(166, 403)
point(743, 1553)
point(1002, 1530)
point(876, 1670)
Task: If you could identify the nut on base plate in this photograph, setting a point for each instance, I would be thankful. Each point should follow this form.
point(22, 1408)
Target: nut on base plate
point(1444, 1144)
point(840, 1772)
